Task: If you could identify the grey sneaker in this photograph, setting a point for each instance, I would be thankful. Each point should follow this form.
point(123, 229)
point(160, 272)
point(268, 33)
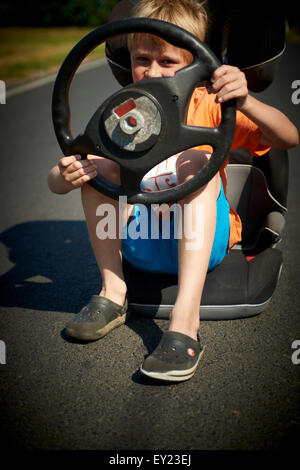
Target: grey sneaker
point(96, 319)
point(175, 359)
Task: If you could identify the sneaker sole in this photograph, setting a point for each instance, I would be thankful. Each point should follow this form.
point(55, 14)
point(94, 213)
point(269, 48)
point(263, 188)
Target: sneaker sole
point(98, 334)
point(174, 375)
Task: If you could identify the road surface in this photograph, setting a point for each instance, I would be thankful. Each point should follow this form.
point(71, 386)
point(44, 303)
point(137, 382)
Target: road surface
point(57, 394)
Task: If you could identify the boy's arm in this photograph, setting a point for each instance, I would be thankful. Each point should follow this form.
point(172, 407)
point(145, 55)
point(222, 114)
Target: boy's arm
point(277, 130)
point(70, 173)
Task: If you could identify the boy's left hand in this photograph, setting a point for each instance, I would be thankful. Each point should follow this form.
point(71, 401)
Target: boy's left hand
point(229, 82)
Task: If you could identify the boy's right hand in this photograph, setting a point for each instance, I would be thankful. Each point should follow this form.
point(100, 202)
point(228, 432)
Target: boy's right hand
point(76, 171)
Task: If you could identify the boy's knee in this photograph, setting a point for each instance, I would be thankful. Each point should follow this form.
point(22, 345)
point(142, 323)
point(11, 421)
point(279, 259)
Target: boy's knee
point(189, 163)
point(108, 170)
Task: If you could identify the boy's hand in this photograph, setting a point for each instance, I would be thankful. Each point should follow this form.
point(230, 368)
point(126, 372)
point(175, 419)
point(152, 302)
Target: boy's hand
point(229, 82)
point(76, 171)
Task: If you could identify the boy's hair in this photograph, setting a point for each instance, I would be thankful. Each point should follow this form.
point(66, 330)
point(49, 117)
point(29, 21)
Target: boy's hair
point(188, 14)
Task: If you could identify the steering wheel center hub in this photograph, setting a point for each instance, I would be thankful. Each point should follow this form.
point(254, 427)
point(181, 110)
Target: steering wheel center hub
point(133, 121)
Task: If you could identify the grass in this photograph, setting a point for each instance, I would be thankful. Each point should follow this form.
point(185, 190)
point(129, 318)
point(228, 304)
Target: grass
point(293, 36)
point(28, 53)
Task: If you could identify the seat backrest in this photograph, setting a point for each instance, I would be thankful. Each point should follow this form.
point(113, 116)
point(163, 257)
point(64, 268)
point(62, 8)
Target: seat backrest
point(234, 40)
point(231, 36)
point(257, 189)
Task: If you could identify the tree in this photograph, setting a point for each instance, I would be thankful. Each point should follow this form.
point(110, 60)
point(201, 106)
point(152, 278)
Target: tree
point(55, 12)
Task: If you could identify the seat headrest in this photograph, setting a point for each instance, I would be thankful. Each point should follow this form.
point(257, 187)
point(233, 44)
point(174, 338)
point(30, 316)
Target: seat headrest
point(249, 34)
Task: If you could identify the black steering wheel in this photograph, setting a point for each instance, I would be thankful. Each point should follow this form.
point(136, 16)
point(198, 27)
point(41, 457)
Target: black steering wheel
point(144, 123)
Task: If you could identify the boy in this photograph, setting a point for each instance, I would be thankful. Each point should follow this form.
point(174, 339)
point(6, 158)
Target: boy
point(258, 127)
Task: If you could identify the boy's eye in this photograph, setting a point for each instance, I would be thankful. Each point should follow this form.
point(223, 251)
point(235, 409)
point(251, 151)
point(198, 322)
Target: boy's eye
point(141, 59)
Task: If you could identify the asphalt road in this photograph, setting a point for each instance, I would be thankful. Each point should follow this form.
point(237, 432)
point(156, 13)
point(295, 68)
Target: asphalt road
point(57, 394)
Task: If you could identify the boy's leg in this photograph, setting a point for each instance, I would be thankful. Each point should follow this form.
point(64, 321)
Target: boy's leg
point(179, 351)
point(109, 309)
point(107, 251)
point(194, 254)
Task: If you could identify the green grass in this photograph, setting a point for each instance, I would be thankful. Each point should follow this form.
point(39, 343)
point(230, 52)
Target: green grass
point(293, 36)
point(27, 53)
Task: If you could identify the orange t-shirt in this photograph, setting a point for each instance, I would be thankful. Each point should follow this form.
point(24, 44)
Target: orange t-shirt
point(204, 111)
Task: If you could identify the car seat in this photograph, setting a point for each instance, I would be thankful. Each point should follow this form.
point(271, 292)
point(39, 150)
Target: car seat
point(237, 34)
point(243, 284)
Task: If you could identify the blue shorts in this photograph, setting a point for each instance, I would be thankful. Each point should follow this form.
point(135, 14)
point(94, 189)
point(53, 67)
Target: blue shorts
point(160, 254)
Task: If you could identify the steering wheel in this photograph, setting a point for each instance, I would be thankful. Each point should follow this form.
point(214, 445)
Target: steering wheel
point(142, 124)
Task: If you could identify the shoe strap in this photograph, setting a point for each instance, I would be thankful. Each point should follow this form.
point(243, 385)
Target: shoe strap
point(107, 303)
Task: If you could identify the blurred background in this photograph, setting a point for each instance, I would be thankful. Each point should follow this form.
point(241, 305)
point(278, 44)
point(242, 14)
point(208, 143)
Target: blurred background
point(35, 36)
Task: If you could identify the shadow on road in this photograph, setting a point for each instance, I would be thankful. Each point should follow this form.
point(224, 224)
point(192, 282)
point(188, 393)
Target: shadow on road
point(54, 267)
point(55, 271)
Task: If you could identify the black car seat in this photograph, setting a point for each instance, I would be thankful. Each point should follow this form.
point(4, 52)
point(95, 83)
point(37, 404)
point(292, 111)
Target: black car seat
point(249, 34)
point(243, 284)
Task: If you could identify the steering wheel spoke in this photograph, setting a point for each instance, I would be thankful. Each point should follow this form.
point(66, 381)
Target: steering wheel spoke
point(190, 77)
point(193, 136)
point(83, 145)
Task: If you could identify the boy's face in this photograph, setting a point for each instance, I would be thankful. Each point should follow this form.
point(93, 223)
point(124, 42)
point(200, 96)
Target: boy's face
point(151, 61)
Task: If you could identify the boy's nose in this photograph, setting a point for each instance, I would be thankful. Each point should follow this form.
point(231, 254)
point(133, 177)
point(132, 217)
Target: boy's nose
point(153, 71)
